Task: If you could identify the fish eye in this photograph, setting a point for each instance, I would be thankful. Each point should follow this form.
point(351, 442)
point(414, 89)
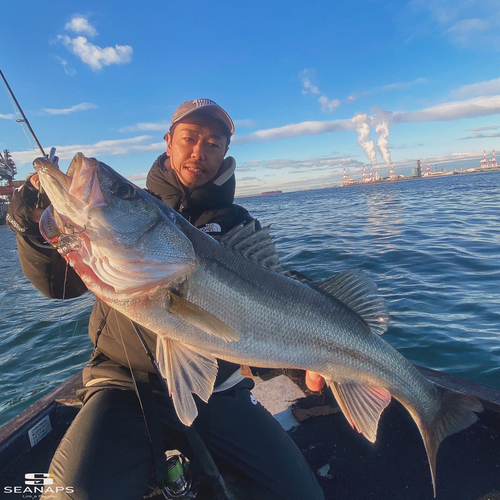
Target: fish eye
point(124, 190)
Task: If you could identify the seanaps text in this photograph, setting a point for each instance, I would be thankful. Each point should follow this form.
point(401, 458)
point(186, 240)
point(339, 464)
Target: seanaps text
point(38, 489)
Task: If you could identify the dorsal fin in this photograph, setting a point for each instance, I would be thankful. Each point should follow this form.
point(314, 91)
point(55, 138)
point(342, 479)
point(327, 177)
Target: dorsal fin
point(353, 288)
point(254, 244)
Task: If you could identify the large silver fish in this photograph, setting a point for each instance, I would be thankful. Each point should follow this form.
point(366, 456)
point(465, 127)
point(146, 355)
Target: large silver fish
point(231, 299)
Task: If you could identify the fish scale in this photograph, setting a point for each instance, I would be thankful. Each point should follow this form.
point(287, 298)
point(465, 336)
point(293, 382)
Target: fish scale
point(233, 300)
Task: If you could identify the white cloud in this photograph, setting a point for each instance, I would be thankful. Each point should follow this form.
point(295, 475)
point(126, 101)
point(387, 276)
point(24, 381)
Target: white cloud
point(309, 86)
point(482, 136)
point(295, 130)
point(133, 145)
point(138, 177)
point(7, 116)
point(94, 56)
point(488, 87)
point(83, 106)
point(454, 110)
point(80, 24)
point(309, 164)
point(466, 23)
point(489, 127)
point(466, 31)
point(327, 105)
point(249, 179)
point(147, 127)
point(64, 63)
point(387, 88)
point(403, 85)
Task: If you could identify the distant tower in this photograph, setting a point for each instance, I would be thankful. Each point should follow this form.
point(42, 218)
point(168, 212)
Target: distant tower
point(428, 169)
point(372, 179)
point(484, 161)
point(493, 162)
point(392, 173)
point(365, 177)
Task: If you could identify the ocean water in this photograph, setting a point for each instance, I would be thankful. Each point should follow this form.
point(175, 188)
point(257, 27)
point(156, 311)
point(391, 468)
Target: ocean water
point(431, 245)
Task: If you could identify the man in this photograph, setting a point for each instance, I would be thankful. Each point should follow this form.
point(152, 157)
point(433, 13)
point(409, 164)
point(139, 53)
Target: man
point(117, 442)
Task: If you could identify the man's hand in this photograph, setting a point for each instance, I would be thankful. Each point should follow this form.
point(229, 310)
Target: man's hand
point(26, 207)
point(314, 381)
point(52, 157)
point(36, 212)
point(29, 202)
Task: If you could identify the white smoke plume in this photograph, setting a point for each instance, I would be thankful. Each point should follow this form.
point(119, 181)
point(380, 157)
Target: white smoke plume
point(363, 130)
point(383, 129)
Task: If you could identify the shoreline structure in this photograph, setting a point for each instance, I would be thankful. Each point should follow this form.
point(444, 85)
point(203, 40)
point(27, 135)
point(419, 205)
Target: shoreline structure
point(394, 178)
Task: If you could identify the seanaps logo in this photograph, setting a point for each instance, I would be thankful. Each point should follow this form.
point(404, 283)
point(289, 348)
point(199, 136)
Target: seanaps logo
point(38, 478)
point(35, 484)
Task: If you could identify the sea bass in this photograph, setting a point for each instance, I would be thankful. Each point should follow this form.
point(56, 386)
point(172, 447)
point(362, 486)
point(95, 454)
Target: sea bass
point(231, 299)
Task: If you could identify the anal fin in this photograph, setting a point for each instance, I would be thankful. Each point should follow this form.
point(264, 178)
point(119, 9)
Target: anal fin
point(187, 370)
point(362, 405)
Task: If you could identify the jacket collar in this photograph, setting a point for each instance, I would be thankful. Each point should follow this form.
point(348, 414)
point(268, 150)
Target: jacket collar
point(216, 193)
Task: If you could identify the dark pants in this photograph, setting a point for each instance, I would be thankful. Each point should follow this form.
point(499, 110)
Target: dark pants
point(106, 453)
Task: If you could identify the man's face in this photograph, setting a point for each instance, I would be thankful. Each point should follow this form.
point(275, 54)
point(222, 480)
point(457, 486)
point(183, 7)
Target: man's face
point(196, 149)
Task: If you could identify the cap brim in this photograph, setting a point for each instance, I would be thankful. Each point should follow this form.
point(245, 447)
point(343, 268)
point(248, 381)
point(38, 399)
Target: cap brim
point(215, 111)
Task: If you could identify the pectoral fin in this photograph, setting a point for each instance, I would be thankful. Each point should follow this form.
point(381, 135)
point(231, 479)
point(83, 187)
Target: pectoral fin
point(198, 317)
point(187, 370)
point(362, 405)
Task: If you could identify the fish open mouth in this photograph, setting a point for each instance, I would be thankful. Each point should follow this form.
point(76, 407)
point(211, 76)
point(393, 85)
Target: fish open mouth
point(80, 183)
point(84, 185)
point(64, 223)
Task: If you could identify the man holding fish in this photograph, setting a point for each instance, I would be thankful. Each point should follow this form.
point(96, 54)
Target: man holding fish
point(116, 444)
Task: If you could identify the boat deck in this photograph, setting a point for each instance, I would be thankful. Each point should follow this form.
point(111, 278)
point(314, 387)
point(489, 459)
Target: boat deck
point(348, 466)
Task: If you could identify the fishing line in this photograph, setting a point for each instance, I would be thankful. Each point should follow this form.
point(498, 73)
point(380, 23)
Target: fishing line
point(17, 108)
point(134, 382)
point(19, 119)
point(62, 304)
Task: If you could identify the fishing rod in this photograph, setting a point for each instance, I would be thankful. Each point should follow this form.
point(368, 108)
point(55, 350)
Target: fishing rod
point(24, 120)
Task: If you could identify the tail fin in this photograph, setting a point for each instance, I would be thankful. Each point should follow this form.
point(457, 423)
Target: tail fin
point(456, 413)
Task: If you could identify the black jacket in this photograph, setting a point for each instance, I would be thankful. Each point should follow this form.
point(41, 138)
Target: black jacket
point(209, 208)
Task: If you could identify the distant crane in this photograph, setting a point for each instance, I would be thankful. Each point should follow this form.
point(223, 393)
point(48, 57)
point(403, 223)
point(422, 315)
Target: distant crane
point(7, 172)
point(428, 169)
point(484, 161)
point(493, 161)
point(7, 166)
point(346, 180)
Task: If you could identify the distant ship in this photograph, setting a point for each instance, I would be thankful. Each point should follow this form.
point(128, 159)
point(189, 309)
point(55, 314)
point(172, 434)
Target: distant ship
point(276, 191)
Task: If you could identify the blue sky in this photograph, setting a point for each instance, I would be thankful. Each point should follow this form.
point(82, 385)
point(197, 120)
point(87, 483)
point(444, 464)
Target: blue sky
point(313, 87)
